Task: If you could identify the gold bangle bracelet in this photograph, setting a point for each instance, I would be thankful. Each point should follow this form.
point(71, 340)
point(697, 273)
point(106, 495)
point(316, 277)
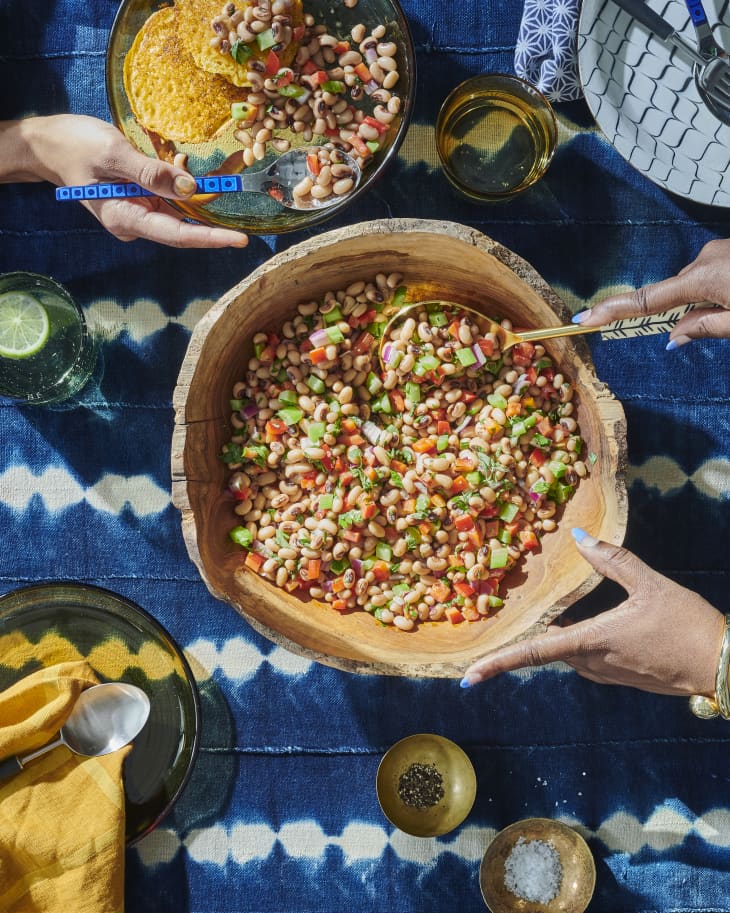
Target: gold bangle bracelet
point(705, 707)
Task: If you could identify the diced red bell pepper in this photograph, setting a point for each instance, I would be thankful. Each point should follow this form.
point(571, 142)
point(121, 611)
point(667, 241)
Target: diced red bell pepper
point(363, 73)
point(360, 146)
point(443, 427)
point(272, 64)
point(454, 615)
point(397, 401)
point(440, 591)
point(538, 457)
point(339, 605)
point(363, 344)
point(314, 165)
point(464, 522)
point(464, 589)
point(375, 124)
point(545, 427)
point(529, 539)
point(460, 484)
point(487, 346)
point(381, 571)
point(318, 355)
point(254, 561)
point(297, 33)
point(523, 353)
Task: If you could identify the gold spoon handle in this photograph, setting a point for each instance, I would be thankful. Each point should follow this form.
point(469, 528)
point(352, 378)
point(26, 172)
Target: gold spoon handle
point(571, 329)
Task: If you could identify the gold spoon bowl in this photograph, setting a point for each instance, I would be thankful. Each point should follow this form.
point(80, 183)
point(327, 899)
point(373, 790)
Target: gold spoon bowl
point(507, 338)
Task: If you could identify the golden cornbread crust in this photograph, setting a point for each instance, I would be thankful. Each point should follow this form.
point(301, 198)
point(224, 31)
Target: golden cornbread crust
point(196, 32)
point(168, 93)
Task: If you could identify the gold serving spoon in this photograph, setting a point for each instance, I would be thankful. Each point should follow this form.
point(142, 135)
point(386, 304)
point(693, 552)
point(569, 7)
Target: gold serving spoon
point(507, 337)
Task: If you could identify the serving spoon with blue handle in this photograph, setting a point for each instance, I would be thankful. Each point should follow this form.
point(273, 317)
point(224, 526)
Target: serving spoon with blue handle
point(277, 181)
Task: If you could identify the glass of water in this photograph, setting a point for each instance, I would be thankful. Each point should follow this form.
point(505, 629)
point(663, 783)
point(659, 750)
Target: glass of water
point(47, 353)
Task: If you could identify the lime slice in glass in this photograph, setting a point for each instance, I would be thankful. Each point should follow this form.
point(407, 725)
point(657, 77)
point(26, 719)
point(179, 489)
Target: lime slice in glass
point(24, 325)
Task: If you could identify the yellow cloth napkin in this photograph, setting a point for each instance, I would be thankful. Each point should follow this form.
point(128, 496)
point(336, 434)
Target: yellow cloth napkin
point(62, 817)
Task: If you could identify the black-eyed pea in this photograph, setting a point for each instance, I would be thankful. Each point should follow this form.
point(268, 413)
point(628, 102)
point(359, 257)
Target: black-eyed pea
point(391, 79)
point(386, 64)
point(403, 623)
point(303, 188)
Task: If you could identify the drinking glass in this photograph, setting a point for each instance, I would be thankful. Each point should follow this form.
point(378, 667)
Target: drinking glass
point(495, 135)
point(47, 353)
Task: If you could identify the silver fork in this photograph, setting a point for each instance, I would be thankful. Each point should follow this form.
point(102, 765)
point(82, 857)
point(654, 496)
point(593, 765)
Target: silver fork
point(713, 76)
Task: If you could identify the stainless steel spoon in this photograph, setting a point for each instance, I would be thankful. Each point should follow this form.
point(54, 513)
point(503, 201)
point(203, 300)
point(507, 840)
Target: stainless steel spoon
point(507, 338)
point(104, 718)
point(277, 181)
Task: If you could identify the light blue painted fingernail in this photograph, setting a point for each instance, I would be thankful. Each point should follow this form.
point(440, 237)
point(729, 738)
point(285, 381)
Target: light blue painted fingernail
point(465, 683)
point(671, 345)
point(583, 538)
point(579, 318)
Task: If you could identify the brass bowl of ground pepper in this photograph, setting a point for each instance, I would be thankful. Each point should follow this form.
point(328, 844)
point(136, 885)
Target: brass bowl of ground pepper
point(426, 785)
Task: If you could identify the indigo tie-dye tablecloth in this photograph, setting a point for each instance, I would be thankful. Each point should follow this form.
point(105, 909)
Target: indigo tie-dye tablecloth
point(280, 815)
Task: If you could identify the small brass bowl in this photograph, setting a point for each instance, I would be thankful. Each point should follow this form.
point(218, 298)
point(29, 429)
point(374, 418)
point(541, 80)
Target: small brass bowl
point(458, 782)
point(579, 869)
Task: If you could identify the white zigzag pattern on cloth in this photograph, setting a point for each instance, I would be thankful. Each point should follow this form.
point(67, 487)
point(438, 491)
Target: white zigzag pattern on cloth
point(240, 660)
point(712, 478)
point(665, 829)
point(144, 317)
point(59, 490)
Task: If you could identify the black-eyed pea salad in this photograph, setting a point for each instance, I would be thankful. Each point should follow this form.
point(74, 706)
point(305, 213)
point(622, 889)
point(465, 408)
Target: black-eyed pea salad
point(408, 493)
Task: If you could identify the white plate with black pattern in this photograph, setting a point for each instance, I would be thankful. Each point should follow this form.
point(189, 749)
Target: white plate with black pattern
point(643, 96)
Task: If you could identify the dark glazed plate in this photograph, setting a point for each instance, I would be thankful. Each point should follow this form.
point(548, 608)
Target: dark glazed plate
point(62, 622)
point(255, 212)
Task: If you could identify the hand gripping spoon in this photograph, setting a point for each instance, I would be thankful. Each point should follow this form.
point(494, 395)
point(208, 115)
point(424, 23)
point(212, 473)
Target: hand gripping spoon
point(507, 338)
point(278, 181)
point(104, 718)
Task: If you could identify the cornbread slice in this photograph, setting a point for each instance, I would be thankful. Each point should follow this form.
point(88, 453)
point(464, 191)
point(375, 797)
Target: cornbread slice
point(168, 94)
point(196, 32)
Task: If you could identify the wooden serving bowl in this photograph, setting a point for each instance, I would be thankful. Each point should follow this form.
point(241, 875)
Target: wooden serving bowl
point(438, 260)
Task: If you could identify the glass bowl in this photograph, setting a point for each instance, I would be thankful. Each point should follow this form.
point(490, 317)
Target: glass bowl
point(255, 212)
point(51, 623)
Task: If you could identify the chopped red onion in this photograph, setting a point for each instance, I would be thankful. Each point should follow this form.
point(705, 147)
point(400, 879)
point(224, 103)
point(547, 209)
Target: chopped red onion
point(249, 410)
point(371, 432)
point(319, 338)
point(520, 383)
point(479, 355)
point(463, 424)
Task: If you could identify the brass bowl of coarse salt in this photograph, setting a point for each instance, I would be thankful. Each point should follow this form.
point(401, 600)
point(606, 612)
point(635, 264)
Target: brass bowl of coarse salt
point(537, 866)
point(435, 260)
point(426, 785)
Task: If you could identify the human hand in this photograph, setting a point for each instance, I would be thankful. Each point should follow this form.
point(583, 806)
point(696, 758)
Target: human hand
point(69, 149)
point(663, 638)
point(706, 279)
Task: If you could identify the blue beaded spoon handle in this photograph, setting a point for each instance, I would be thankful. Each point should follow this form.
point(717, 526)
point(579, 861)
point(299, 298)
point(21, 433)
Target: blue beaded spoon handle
point(708, 47)
point(278, 181)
